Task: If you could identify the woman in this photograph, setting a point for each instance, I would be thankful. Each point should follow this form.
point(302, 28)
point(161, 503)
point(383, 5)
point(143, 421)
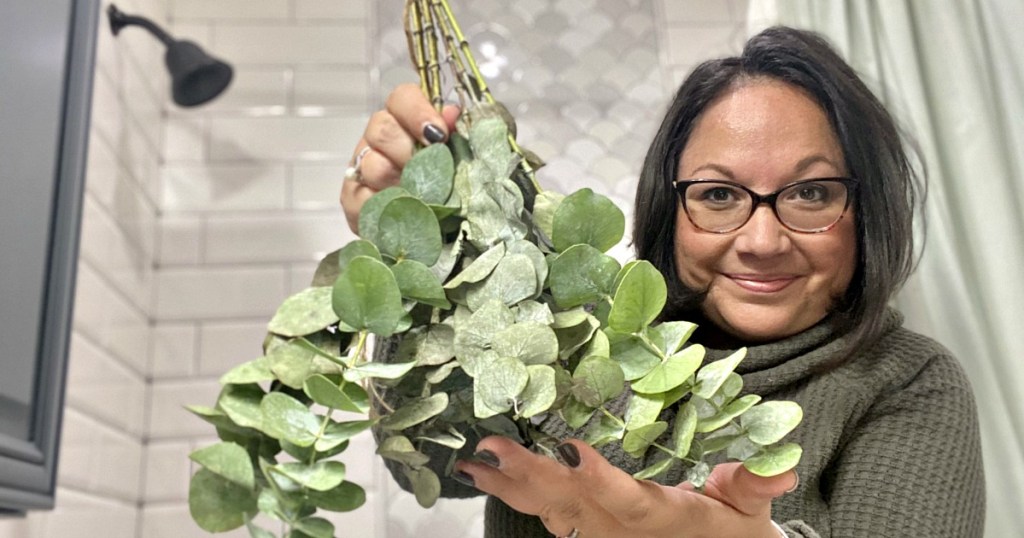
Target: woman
point(778, 199)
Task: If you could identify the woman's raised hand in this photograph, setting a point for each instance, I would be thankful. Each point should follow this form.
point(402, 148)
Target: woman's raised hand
point(391, 136)
point(602, 501)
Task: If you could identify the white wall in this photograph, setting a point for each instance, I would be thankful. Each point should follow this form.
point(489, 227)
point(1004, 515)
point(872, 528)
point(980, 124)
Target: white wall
point(199, 222)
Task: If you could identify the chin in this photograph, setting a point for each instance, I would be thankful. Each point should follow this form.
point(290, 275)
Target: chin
point(760, 323)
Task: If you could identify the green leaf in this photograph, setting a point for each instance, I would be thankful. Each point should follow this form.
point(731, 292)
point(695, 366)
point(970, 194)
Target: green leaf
point(683, 430)
point(774, 460)
point(742, 448)
point(337, 433)
point(670, 336)
point(654, 470)
point(544, 207)
point(729, 412)
point(513, 280)
point(530, 250)
point(369, 215)
point(769, 422)
point(321, 476)
point(415, 411)
point(576, 414)
point(418, 283)
point(488, 139)
point(533, 311)
point(241, 403)
point(712, 376)
point(315, 527)
point(350, 397)
point(598, 380)
point(399, 448)
point(574, 338)
point(304, 313)
point(698, 474)
point(639, 298)
point(479, 268)
point(453, 439)
point(501, 382)
point(409, 230)
point(366, 296)
point(425, 485)
point(634, 357)
point(540, 391)
point(529, 342)
point(432, 346)
point(671, 373)
point(288, 419)
point(294, 360)
point(326, 273)
point(580, 275)
point(378, 370)
point(473, 337)
point(343, 498)
point(585, 217)
point(643, 409)
point(227, 460)
point(636, 442)
point(430, 174)
point(253, 371)
point(347, 253)
point(603, 431)
point(218, 504)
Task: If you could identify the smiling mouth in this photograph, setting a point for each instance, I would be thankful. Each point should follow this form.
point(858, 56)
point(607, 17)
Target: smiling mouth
point(762, 283)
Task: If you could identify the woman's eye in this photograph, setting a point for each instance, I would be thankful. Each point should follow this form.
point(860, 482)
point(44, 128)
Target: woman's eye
point(810, 193)
point(718, 195)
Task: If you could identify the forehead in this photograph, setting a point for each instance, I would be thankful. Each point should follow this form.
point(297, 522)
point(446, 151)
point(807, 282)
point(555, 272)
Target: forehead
point(762, 128)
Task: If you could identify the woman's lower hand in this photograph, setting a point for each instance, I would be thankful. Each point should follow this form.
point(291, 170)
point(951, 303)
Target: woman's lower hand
point(588, 494)
point(391, 136)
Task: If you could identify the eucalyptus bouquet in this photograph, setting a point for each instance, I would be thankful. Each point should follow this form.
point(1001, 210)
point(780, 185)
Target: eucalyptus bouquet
point(500, 307)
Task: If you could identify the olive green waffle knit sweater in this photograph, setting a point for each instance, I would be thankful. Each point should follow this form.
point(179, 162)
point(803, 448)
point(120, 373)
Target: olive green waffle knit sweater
point(890, 439)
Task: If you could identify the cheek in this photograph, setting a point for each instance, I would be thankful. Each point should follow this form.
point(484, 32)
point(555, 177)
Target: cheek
point(696, 254)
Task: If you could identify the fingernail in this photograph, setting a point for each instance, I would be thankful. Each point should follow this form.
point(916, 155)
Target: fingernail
point(488, 457)
point(795, 484)
point(464, 478)
point(569, 453)
point(433, 133)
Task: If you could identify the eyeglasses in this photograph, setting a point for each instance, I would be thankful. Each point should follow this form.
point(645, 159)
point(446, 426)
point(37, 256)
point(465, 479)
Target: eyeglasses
point(806, 206)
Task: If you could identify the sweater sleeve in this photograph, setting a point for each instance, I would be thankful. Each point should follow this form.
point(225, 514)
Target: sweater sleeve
point(912, 466)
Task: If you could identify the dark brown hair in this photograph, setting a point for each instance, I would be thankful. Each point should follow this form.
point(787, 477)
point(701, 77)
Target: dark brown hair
point(887, 191)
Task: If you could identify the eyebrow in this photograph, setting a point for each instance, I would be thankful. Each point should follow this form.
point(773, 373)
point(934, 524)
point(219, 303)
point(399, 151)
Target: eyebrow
point(801, 165)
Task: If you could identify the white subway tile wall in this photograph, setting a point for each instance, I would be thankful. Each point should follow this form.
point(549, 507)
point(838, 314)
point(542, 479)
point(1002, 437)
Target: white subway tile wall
point(200, 221)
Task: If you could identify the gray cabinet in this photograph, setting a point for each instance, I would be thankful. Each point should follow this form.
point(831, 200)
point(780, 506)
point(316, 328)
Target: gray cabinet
point(47, 50)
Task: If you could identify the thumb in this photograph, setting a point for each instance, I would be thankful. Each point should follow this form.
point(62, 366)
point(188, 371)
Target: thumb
point(733, 484)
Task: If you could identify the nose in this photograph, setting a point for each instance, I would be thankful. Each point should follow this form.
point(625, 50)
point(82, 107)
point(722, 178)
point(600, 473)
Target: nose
point(763, 235)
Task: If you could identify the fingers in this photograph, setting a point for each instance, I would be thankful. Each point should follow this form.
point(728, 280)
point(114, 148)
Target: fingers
point(417, 116)
point(747, 493)
point(538, 485)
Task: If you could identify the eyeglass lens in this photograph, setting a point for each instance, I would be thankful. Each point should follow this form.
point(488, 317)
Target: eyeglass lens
point(807, 206)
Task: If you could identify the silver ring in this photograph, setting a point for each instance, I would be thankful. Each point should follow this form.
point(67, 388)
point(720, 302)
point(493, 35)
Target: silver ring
point(354, 172)
point(574, 534)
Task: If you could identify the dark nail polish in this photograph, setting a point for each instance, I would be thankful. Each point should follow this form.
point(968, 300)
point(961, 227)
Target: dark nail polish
point(487, 457)
point(432, 133)
point(570, 455)
point(464, 479)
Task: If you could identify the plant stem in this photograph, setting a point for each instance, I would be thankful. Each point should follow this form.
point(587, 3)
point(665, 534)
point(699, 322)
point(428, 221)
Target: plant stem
point(616, 419)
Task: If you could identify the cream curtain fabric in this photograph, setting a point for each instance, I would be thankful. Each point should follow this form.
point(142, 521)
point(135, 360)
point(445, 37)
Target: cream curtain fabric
point(952, 72)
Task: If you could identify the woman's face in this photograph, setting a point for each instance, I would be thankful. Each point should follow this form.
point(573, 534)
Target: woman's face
point(764, 281)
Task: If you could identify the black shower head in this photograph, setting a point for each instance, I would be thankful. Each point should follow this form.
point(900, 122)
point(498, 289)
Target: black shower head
point(196, 77)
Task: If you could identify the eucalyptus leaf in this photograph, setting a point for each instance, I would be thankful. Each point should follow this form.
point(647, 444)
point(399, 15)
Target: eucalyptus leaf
point(698, 474)
point(327, 270)
point(634, 357)
point(378, 370)
point(366, 296)
point(408, 229)
point(358, 247)
point(320, 476)
point(425, 485)
point(585, 217)
point(349, 397)
point(773, 461)
point(656, 469)
point(345, 497)
point(540, 392)
point(293, 361)
point(639, 298)
point(253, 371)
point(533, 311)
point(415, 412)
point(574, 338)
point(305, 312)
point(315, 527)
point(453, 439)
point(399, 448)
point(529, 342)
point(227, 460)
point(473, 337)
point(337, 433)
point(488, 138)
point(636, 442)
point(430, 347)
point(288, 419)
point(729, 412)
point(417, 282)
point(430, 173)
point(369, 214)
point(672, 372)
point(479, 268)
point(544, 207)
point(643, 409)
point(713, 375)
point(597, 380)
point(217, 504)
point(530, 250)
point(580, 275)
point(513, 280)
point(769, 422)
point(670, 336)
point(604, 430)
point(501, 382)
point(576, 414)
point(683, 430)
point(241, 403)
